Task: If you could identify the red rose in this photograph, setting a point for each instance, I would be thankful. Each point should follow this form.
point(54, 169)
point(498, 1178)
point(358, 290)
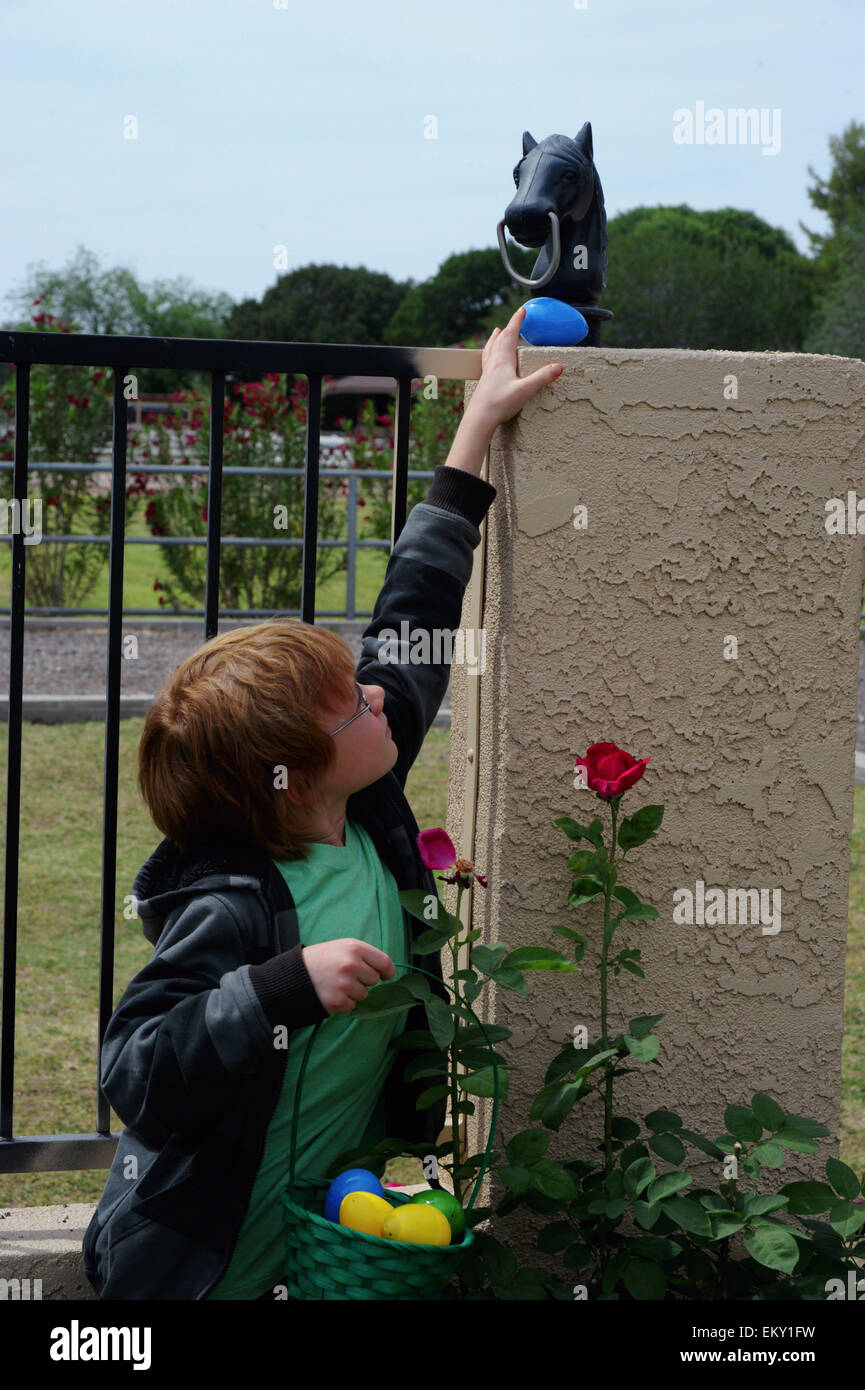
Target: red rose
point(610, 770)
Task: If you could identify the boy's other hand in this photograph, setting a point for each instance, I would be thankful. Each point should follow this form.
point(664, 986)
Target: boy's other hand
point(342, 970)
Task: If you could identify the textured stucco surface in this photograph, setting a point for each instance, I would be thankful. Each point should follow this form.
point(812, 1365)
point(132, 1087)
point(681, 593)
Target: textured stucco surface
point(706, 519)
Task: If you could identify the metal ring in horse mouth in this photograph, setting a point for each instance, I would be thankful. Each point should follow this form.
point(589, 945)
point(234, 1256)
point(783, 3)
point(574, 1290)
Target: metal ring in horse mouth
point(556, 253)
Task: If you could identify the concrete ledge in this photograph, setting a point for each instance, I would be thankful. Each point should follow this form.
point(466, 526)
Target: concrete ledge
point(44, 1244)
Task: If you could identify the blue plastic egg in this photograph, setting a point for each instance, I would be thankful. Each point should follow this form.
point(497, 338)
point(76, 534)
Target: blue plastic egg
point(552, 323)
point(352, 1180)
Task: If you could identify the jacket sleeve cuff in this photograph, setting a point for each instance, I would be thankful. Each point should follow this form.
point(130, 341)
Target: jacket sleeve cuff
point(285, 990)
point(458, 491)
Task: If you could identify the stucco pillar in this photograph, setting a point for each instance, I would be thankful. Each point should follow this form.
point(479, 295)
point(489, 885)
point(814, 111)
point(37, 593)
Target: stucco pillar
point(706, 618)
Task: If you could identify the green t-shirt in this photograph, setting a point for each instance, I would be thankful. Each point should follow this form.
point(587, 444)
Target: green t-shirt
point(338, 891)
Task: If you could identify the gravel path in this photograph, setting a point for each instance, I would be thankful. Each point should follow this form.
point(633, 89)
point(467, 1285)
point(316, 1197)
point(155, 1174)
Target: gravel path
point(65, 660)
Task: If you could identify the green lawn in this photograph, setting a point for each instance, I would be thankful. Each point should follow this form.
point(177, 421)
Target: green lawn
point(59, 896)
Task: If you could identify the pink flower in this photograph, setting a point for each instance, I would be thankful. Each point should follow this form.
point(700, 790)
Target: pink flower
point(437, 852)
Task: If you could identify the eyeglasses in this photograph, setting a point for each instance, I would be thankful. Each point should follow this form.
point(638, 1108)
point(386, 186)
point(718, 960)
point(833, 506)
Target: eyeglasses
point(365, 705)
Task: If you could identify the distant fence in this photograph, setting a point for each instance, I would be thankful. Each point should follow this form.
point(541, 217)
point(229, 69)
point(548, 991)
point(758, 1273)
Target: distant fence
point(351, 544)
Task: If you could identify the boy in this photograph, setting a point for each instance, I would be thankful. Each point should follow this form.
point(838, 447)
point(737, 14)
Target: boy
point(276, 773)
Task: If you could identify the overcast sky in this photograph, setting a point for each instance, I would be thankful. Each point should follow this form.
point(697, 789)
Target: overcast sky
point(305, 124)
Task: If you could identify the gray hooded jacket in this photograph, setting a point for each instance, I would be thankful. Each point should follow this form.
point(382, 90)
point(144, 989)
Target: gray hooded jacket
point(188, 1061)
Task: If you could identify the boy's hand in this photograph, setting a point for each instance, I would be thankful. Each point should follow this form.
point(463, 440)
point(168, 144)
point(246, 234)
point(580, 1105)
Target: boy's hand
point(341, 971)
point(501, 393)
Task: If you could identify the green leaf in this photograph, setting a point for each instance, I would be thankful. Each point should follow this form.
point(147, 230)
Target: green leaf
point(487, 959)
point(767, 1111)
point(638, 1176)
point(742, 1124)
point(560, 1105)
point(594, 832)
point(667, 1146)
point(808, 1198)
point(583, 890)
point(758, 1203)
point(500, 1264)
point(635, 911)
point(417, 984)
point(699, 1141)
point(725, 1223)
point(441, 1021)
point(641, 1028)
point(647, 1214)
point(481, 1083)
point(635, 830)
point(552, 1180)
point(528, 1146)
point(537, 958)
point(568, 933)
point(789, 1139)
point(515, 1178)
point(594, 1062)
point(633, 969)
point(662, 1121)
point(587, 862)
point(416, 900)
point(666, 1185)
point(656, 1248)
point(577, 1257)
point(807, 1129)
point(430, 1096)
point(842, 1178)
point(644, 1280)
point(427, 942)
point(472, 1035)
point(623, 1128)
point(644, 1049)
point(389, 997)
point(772, 1247)
point(846, 1219)
point(689, 1215)
point(555, 1238)
point(770, 1154)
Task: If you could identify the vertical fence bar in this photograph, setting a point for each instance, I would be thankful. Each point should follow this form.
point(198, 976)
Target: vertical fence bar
point(13, 757)
point(402, 426)
point(214, 504)
point(351, 549)
point(310, 501)
point(112, 734)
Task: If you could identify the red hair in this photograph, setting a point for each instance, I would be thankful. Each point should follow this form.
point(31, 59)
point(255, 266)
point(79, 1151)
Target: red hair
point(234, 725)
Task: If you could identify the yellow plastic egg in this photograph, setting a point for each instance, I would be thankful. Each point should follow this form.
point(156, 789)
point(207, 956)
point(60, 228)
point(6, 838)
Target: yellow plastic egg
point(419, 1225)
point(364, 1211)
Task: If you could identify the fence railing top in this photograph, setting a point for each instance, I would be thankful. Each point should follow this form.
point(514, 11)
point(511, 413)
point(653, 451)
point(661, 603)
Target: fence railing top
point(238, 354)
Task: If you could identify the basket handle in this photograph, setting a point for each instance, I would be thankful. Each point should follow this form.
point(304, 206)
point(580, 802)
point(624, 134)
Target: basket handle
point(455, 1118)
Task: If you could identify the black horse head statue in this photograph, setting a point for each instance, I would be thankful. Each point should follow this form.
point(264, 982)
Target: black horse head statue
point(559, 206)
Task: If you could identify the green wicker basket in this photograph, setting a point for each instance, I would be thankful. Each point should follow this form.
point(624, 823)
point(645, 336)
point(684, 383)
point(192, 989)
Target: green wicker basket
point(327, 1261)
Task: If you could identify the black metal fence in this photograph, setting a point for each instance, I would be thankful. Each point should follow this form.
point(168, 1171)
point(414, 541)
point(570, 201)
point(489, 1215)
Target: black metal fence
point(55, 1152)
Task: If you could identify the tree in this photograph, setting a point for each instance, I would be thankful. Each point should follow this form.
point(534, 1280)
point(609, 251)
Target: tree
point(321, 304)
point(93, 300)
point(840, 197)
point(839, 321)
point(458, 301)
point(724, 278)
